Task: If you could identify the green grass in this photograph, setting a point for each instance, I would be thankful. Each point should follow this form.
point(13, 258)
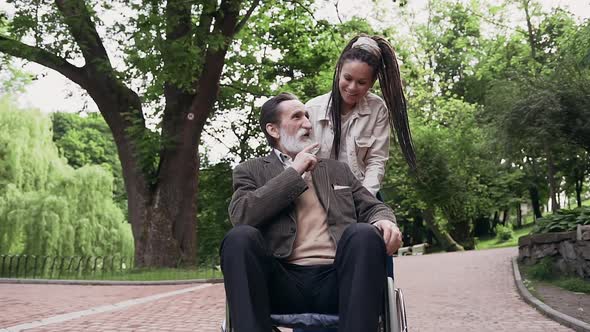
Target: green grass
point(138, 275)
point(542, 273)
point(491, 242)
point(157, 275)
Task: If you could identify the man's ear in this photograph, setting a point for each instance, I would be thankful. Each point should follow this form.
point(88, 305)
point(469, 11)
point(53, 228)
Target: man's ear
point(273, 130)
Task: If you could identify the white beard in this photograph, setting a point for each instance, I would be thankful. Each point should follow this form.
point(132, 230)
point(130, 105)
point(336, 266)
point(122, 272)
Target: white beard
point(294, 143)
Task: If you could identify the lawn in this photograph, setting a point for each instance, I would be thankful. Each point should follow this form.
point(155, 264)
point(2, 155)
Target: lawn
point(136, 275)
point(19, 269)
point(155, 275)
point(490, 242)
point(543, 272)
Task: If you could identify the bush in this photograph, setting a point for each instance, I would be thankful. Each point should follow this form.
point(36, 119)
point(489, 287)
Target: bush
point(543, 270)
point(504, 233)
point(563, 220)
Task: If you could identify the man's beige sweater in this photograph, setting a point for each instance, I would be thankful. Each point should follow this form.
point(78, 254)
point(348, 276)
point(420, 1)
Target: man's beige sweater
point(313, 244)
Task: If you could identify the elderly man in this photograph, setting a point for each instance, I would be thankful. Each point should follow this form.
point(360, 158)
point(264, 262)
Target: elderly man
point(308, 237)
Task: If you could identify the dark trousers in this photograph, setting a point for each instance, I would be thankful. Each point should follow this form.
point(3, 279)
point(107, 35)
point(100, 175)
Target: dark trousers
point(257, 284)
point(389, 266)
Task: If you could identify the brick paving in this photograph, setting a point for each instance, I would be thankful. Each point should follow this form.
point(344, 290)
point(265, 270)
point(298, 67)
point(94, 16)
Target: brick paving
point(471, 291)
point(21, 303)
point(468, 291)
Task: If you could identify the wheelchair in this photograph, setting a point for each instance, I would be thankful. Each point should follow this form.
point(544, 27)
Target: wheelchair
point(391, 319)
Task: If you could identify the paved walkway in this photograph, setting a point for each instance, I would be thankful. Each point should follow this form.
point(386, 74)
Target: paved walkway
point(471, 291)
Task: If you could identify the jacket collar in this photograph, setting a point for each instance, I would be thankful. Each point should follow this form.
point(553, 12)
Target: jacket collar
point(272, 164)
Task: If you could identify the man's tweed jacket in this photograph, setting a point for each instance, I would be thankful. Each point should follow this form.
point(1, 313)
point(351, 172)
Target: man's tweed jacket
point(264, 195)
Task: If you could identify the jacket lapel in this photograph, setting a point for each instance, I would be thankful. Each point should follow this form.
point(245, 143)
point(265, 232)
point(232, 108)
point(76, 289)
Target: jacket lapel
point(272, 166)
point(322, 183)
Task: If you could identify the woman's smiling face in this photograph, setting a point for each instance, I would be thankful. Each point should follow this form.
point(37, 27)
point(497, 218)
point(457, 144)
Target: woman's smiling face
point(356, 78)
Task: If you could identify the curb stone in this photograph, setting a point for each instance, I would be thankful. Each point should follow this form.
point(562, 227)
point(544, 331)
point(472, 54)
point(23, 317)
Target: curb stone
point(546, 310)
point(108, 282)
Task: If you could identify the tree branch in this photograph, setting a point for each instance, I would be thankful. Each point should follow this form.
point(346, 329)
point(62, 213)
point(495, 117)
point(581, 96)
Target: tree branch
point(207, 86)
point(338, 11)
point(219, 140)
point(206, 18)
point(44, 58)
point(231, 86)
point(78, 20)
point(244, 19)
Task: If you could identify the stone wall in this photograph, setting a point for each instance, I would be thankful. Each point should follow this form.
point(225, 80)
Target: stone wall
point(571, 250)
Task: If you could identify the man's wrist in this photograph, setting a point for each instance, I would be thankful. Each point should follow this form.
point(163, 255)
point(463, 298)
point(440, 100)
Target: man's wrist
point(297, 169)
point(387, 220)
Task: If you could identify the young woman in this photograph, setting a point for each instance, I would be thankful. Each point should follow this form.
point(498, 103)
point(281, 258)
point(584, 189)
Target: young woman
point(353, 125)
point(350, 123)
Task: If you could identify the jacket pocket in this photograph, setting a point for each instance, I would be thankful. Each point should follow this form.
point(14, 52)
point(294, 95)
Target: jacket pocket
point(363, 144)
point(342, 207)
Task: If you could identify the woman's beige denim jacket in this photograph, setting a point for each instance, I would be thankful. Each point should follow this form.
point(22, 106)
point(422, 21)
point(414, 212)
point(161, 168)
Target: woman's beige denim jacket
point(367, 144)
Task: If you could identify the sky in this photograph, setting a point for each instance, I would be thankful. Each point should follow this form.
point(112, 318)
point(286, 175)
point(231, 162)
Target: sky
point(52, 92)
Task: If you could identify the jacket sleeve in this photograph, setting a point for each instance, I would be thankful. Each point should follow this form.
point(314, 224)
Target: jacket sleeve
point(368, 208)
point(378, 154)
point(254, 204)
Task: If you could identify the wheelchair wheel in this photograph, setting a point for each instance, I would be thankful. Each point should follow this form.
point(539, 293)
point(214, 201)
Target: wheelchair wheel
point(393, 318)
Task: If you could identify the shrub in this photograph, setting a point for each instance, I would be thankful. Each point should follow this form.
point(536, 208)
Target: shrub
point(563, 220)
point(543, 270)
point(504, 233)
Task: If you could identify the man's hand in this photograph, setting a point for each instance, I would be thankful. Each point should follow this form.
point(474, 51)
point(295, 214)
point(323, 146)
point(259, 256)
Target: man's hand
point(392, 236)
point(305, 160)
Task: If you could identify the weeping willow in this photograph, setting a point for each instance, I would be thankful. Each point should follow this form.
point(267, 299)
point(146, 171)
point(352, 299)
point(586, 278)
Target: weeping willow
point(46, 206)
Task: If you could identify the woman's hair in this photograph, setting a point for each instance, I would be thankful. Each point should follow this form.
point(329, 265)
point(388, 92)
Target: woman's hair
point(386, 69)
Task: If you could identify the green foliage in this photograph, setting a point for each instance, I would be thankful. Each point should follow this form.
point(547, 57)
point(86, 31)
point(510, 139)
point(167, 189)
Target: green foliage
point(12, 79)
point(504, 232)
point(215, 188)
point(47, 207)
point(543, 270)
point(563, 220)
point(281, 48)
point(87, 140)
point(574, 284)
point(458, 171)
point(546, 271)
point(492, 242)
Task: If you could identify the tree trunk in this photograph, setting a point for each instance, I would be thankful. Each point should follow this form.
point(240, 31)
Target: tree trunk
point(505, 214)
point(162, 211)
point(534, 193)
point(442, 236)
point(518, 216)
point(496, 219)
point(553, 186)
point(531, 33)
point(579, 186)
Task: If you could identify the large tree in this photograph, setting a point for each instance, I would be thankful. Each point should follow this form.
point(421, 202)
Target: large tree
point(174, 55)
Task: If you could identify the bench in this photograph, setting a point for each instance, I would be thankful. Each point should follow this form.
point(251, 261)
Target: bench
point(417, 249)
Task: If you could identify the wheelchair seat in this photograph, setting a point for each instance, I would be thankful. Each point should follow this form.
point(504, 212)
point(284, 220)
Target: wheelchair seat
point(305, 320)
